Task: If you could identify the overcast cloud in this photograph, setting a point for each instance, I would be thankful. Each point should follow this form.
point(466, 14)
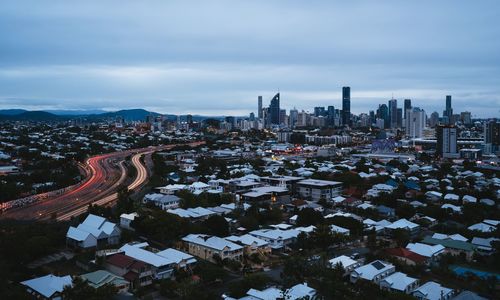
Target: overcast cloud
point(216, 57)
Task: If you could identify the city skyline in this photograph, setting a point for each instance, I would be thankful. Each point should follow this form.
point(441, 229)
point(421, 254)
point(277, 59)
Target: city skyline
point(168, 58)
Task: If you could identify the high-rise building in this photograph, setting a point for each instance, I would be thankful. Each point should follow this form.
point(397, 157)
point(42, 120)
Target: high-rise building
point(415, 122)
point(383, 113)
point(283, 119)
point(448, 112)
point(346, 105)
point(274, 110)
point(400, 118)
point(319, 111)
point(465, 117)
point(492, 132)
point(393, 113)
point(259, 107)
point(434, 119)
point(330, 112)
point(294, 114)
point(446, 136)
point(407, 105)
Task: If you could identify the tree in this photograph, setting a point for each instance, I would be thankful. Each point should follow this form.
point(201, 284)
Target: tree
point(239, 288)
point(217, 225)
point(401, 236)
point(309, 216)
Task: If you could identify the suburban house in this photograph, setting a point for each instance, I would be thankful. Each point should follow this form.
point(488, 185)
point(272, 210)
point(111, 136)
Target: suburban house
point(406, 256)
point(127, 219)
point(432, 291)
point(278, 239)
point(374, 271)
point(251, 244)
point(271, 194)
point(163, 201)
point(163, 263)
point(347, 263)
point(136, 272)
point(315, 189)
point(206, 246)
point(454, 247)
point(48, 286)
point(399, 282)
point(100, 278)
point(428, 251)
point(94, 231)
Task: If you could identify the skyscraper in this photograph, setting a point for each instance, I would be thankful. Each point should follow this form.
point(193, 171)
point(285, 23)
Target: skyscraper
point(447, 141)
point(448, 112)
point(274, 110)
point(415, 122)
point(383, 113)
point(407, 105)
point(259, 107)
point(346, 105)
point(393, 113)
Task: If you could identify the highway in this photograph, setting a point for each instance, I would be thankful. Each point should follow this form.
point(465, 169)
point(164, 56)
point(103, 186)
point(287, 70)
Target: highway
point(107, 175)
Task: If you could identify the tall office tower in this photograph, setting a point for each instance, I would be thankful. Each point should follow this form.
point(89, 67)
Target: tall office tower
point(407, 105)
point(274, 110)
point(383, 113)
point(400, 118)
point(330, 113)
point(492, 132)
point(252, 117)
point(434, 119)
point(346, 105)
point(319, 111)
point(393, 113)
point(415, 122)
point(465, 117)
point(283, 119)
point(294, 114)
point(259, 107)
point(189, 119)
point(372, 117)
point(448, 112)
point(446, 136)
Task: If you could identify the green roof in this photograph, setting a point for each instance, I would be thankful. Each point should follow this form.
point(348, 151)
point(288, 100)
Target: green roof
point(99, 278)
point(448, 243)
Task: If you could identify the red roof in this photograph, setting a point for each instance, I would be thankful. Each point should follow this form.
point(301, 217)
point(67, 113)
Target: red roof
point(405, 253)
point(124, 261)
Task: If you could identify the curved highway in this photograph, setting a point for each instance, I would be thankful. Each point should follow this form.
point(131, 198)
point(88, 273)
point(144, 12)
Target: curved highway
point(107, 175)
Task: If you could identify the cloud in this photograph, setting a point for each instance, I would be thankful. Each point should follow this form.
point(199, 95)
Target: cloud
point(216, 56)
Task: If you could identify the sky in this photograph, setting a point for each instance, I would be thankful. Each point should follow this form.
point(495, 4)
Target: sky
point(216, 57)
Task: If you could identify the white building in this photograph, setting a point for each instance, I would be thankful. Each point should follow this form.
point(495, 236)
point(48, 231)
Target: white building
point(92, 232)
point(432, 291)
point(374, 271)
point(399, 282)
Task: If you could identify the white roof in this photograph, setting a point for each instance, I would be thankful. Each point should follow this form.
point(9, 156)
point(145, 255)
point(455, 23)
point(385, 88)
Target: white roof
point(369, 271)
point(482, 227)
point(433, 291)
point(131, 216)
point(271, 293)
point(136, 251)
point(425, 250)
point(93, 221)
point(402, 224)
point(339, 229)
point(455, 237)
point(451, 197)
point(399, 281)
point(247, 240)
point(275, 234)
point(300, 291)
point(319, 183)
point(469, 198)
point(452, 207)
point(213, 242)
point(344, 261)
point(176, 255)
point(77, 234)
point(48, 285)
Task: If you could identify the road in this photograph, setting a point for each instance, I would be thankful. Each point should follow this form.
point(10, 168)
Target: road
point(107, 175)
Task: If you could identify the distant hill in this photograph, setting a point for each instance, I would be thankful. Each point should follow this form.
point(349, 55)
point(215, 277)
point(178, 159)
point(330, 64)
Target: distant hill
point(37, 116)
point(81, 112)
point(11, 112)
point(127, 114)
